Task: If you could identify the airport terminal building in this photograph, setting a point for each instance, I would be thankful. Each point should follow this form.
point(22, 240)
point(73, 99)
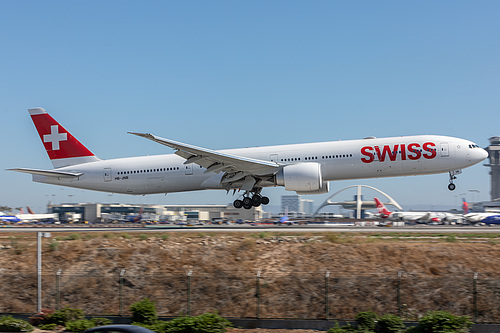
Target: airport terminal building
point(114, 212)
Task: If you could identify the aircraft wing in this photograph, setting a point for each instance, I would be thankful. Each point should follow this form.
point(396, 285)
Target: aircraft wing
point(48, 173)
point(236, 168)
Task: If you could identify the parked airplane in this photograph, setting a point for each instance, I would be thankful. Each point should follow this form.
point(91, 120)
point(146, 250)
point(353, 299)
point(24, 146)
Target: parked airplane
point(8, 218)
point(398, 216)
point(492, 219)
point(479, 217)
point(304, 168)
point(423, 217)
point(33, 217)
point(465, 206)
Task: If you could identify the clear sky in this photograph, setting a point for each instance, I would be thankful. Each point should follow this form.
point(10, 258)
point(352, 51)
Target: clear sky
point(227, 74)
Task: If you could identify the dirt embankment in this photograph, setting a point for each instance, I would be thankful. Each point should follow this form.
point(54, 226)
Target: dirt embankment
point(266, 252)
point(225, 266)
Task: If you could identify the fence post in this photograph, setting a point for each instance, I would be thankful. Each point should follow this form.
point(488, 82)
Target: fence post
point(120, 295)
point(58, 289)
point(257, 293)
point(189, 273)
point(398, 295)
point(474, 297)
point(327, 304)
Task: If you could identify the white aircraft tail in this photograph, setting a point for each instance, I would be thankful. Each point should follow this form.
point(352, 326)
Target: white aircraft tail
point(62, 147)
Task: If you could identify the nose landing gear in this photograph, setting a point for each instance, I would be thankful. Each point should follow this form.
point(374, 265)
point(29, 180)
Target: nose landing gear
point(452, 186)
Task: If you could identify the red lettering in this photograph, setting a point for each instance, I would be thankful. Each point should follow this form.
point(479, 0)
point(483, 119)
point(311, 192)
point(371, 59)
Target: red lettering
point(413, 149)
point(387, 151)
point(429, 150)
point(369, 155)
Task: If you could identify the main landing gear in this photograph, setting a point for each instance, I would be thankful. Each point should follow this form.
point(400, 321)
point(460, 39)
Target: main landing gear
point(250, 201)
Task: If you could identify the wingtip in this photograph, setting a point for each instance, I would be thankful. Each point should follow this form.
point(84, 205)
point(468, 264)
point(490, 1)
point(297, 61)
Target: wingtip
point(144, 135)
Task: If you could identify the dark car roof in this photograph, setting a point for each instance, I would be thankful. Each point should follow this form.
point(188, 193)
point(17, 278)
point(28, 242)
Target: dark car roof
point(119, 328)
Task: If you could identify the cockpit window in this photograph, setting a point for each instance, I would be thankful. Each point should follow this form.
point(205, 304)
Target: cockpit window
point(473, 146)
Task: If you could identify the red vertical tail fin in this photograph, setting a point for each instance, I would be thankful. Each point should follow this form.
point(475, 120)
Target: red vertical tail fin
point(465, 206)
point(382, 210)
point(62, 147)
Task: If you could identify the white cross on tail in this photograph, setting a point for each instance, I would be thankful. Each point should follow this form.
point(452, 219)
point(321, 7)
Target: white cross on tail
point(55, 137)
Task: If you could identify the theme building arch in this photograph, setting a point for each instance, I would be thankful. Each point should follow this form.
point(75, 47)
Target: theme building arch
point(359, 204)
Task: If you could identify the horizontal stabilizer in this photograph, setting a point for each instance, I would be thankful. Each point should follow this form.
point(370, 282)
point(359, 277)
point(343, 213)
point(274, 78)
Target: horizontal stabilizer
point(48, 173)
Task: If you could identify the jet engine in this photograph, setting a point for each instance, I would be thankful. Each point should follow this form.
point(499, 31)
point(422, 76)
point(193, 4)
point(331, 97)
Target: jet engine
point(304, 178)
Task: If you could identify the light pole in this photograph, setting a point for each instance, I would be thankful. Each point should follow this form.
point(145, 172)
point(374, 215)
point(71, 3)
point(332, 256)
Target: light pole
point(39, 268)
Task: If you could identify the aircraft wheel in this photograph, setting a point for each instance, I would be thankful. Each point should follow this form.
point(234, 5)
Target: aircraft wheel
point(264, 200)
point(451, 186)
point(238, 204)
point(248, 206)
point(247, 201)
point(256, 200)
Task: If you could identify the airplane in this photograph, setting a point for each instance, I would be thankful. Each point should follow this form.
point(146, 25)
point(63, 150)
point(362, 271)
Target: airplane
point(305, 168)
point(9, 218)
point(492, 219)
point(33, 217)
point(479, 217)
point(465, 206)
point(412, 216)
point(398, 216)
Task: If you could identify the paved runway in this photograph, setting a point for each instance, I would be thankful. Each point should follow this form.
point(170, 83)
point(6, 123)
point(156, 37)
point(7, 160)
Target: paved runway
point(248, 228)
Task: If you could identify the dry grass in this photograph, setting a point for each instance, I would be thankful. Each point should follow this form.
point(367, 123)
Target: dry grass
point(435, 268)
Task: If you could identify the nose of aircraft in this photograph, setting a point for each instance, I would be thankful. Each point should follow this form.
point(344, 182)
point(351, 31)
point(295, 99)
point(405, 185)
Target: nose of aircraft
point(480, 154)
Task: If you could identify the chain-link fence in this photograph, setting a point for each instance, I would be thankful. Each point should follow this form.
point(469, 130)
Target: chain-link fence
point(254, 295)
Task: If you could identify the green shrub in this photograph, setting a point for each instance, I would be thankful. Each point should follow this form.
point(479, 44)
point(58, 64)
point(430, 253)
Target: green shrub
point(344, 329)
point(366, 320)
point(74, 237)
point(9, 324)
point(79, 325)
point(61, 317)
point(53, 246)
point(443, 322)
point(144, 312)
point(102, 321)
point(48, 327)
point(205, 323)
point(389, 324)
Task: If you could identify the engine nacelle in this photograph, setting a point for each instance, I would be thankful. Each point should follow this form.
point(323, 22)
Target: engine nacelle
point(325, 187)
point(304, 178)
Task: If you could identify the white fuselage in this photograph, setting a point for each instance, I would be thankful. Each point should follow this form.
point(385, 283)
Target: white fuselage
point(353, 159)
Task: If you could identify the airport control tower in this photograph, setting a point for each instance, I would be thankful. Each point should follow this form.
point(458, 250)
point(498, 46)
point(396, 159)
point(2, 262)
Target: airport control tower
point(494, 152)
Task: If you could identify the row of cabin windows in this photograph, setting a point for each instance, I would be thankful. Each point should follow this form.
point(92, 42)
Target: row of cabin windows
point(337, 156)
point(147, 171)
point(315, 158)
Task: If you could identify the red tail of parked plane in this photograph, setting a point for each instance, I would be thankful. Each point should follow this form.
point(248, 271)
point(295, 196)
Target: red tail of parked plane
point(465, 206)
point(382, 210)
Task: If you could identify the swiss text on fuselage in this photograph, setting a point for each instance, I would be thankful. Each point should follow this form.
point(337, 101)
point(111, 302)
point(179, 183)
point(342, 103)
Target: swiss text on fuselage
point(412, 151)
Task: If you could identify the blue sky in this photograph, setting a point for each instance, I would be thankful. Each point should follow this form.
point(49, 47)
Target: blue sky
point(226, 74)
